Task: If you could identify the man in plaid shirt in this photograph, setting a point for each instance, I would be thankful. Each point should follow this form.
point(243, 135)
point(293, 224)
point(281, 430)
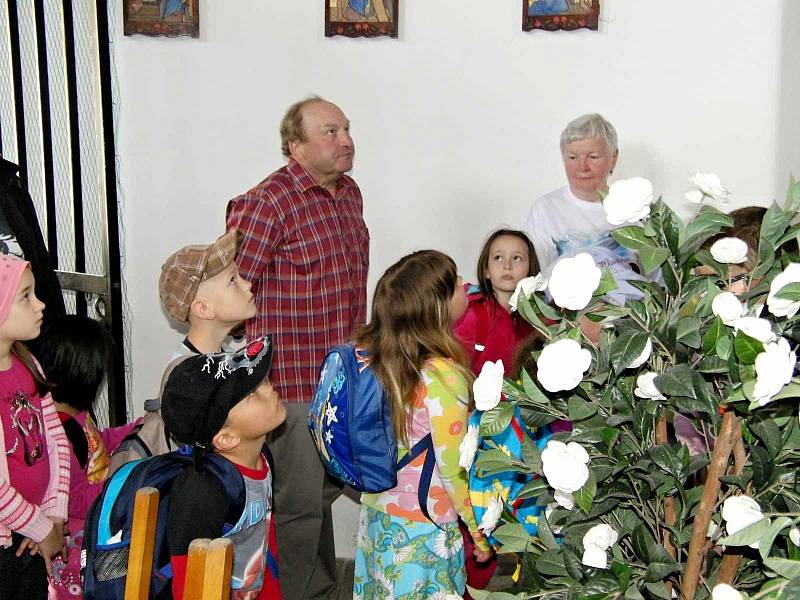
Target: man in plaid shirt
point(306, 251)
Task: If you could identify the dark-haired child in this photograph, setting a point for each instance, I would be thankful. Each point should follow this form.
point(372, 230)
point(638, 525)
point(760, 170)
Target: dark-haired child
point(489, 331)
point(34, 453)
point(75, 352)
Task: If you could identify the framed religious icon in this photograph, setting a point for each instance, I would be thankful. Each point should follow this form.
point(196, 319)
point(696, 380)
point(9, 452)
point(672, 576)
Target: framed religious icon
point(361, 18)
point(552, 15)
point(161, 17)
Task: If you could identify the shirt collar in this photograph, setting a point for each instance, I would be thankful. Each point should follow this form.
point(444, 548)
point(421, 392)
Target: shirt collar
point(305, 182)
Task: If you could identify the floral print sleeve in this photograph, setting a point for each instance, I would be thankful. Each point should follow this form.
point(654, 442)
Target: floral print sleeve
point(447, 406)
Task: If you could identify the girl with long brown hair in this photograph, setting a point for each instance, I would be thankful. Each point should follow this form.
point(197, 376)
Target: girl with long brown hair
point(407, 547)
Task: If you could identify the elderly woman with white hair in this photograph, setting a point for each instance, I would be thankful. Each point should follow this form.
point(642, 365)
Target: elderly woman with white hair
point(571, 218)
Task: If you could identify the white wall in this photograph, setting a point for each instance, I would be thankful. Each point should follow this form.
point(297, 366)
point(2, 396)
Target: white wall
point(456, 123)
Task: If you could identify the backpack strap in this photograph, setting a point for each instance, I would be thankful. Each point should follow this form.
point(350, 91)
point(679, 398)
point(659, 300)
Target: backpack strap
point(424, 445)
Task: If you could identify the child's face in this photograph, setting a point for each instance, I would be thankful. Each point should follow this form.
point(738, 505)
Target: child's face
point(458, 303)
point(508, 263)
point(738, 280)
point(258, 413)
point(228, 295)
point(24, 321)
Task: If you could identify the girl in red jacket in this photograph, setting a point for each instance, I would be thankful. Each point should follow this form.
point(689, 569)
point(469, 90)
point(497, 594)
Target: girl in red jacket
point(489, 330)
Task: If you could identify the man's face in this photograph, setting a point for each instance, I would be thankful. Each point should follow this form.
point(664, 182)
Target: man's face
point(328, 150)
point(588, 164)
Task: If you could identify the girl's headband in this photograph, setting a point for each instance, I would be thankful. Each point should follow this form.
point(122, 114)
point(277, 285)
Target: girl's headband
point(11, 270)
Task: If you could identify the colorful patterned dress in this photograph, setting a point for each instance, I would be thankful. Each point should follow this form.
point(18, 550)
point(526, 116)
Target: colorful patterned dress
point(400, 554)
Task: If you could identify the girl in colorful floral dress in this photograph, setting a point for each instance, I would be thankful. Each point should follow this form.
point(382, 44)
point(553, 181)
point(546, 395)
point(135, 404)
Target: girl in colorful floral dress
point(407, 549)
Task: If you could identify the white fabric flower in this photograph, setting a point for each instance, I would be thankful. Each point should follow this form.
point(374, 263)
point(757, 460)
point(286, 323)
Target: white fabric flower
point(642, 358)
point(722, 591)
point(488, 387)
point(757, 328)
point(779, 306)
point(628, 200)
point(727, 307)
point(527, 285)
point(564, 499)
point(729, 250)
point(564, 466)
point(740, 512)
point(646, 387)
point(468, 447)
point(595, 543)
point(493, 511)
point(695, 196)
point(710, 185)
point(794, 535)
point(561, 365)
point(774, 369)
point(573, 280)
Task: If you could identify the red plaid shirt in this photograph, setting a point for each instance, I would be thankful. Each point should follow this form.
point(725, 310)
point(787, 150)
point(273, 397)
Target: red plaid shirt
point(307, 255)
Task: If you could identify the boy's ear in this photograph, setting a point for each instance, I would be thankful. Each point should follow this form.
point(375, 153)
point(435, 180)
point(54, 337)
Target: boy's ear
point(201, 308)
point(225, 440)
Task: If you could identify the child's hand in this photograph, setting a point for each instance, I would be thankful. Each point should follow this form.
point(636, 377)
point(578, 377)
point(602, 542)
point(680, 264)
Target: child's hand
point(52, 544)
point(28, 544)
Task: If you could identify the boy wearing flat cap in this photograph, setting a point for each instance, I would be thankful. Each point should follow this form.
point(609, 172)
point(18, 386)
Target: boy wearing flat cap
point(224, 403)
point(200, 285)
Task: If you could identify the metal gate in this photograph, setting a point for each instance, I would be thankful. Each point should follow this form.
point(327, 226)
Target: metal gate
point(57, 124)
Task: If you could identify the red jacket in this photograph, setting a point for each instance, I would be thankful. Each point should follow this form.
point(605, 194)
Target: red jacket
point(489, 332)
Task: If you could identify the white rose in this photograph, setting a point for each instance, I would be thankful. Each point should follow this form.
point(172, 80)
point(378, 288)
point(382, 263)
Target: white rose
point(468, 447)
point(564, 466)
point(710, 185)
point(642, 358)
point(595, 543)
point(527, 285)
point(564, 499)
point(722, 591)
point(774, 369)
point(740, 512)
point(488, 387)
point(757, 328)
point(628, 200)
point(794, 535)
point(561, 365)
point(729, 250)
point(695, 196)
point(778, 306)
point(646, 387)
point(493, 512)
point(727, 307)
point(574, 280)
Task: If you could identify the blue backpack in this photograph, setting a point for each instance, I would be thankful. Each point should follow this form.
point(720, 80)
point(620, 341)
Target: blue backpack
point(107, 530)
point(351, 424)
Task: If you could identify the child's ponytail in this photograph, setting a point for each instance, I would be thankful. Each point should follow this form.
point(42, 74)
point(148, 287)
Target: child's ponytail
point(24, 355)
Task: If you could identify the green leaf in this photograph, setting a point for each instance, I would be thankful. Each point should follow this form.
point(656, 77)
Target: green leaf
point(709, 219)
point(670, 278)
point(545, 532)
point(766, 258)
point(748, 535)
point(585, 495)
point(773, 224)
point(573, 564)
point(712, 364)
point(626, 348)
point(652, 258)
point(496, 420)
point(547, 310)
point(531, 455)
point(493, 460)
point(790, 569)
point(792, 203)
point(672, 227)
point(658, 588)
point(623, 573)
point(632, 237)
point(765, 545)
point(676, 381)
point(689, 332)
point(642, 541)
point(533, 489)
point(724, 347)
point(704, 257)
point(769, 433)
point(607, 283)
point(791, 390)
point(532, 390)
point(791, 291)
point(580, 409)
point(762, 466)
point(512, 536)
point(551, 562)
point(712, 336)
point(667, 460)
point(660, 565)
point(747, 348)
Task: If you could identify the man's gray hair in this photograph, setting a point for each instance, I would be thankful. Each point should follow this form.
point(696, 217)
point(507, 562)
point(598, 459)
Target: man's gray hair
point(587, 127)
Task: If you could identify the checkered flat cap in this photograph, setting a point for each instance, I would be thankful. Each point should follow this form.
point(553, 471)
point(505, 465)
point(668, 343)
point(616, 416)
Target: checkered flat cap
point(183, 271)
